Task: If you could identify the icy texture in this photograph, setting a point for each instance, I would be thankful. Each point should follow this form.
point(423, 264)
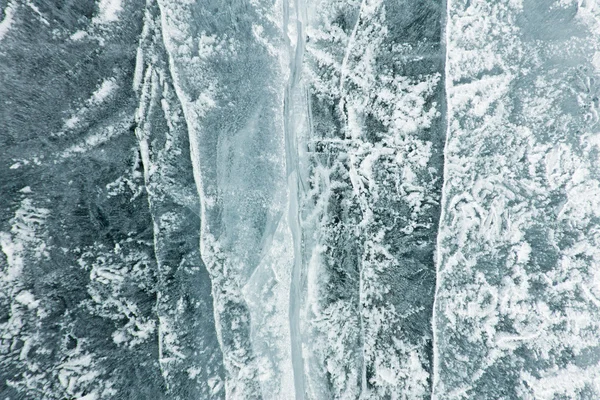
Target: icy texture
point(77, 271)
point(95, 303)
point(517, 300)
point(227, 61)
point(373, 76)
point(307, 199)
point(189, 352)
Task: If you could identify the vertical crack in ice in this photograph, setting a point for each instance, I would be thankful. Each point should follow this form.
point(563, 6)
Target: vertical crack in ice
point(146, 81)
point(358, 188)
point(191, 137)
point(194, 147)
point(351, 39)
point(292, 165)
point(379, 138)
point(435, 358)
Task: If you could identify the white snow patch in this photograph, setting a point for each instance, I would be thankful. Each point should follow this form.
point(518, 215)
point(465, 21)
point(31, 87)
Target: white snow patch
point(7, 21)
point(107, 11)
point(107, 87)
point(78, 35)
point(91, 142)
point(27, 299)
point(193, 372)
point(568, 381)
point(91, 396)
point(38, 12)
point(119, 337)
point(71, 122)
point(12, 250)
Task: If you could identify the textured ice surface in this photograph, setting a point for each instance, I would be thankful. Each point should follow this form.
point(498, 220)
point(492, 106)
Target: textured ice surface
point(518, 295)
point(307, 199)
point(373, 77)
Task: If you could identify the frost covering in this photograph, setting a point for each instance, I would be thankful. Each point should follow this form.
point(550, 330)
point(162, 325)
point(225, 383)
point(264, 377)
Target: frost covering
point(370, 204)
point(299, 199)
point(516, 312)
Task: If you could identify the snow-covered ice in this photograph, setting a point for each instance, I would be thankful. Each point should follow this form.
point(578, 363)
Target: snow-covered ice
point(307, 199)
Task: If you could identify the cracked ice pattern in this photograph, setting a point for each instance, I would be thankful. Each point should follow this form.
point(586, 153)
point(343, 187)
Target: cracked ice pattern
point(308, 199)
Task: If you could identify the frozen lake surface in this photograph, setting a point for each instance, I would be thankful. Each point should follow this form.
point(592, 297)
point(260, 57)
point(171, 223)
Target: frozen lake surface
point(299, 199)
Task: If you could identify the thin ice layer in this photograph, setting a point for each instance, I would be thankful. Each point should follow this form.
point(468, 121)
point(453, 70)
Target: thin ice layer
point(227, 62)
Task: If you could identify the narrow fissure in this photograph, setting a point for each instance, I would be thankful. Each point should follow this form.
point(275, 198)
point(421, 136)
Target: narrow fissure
point(438, 243)
point(292, 165)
